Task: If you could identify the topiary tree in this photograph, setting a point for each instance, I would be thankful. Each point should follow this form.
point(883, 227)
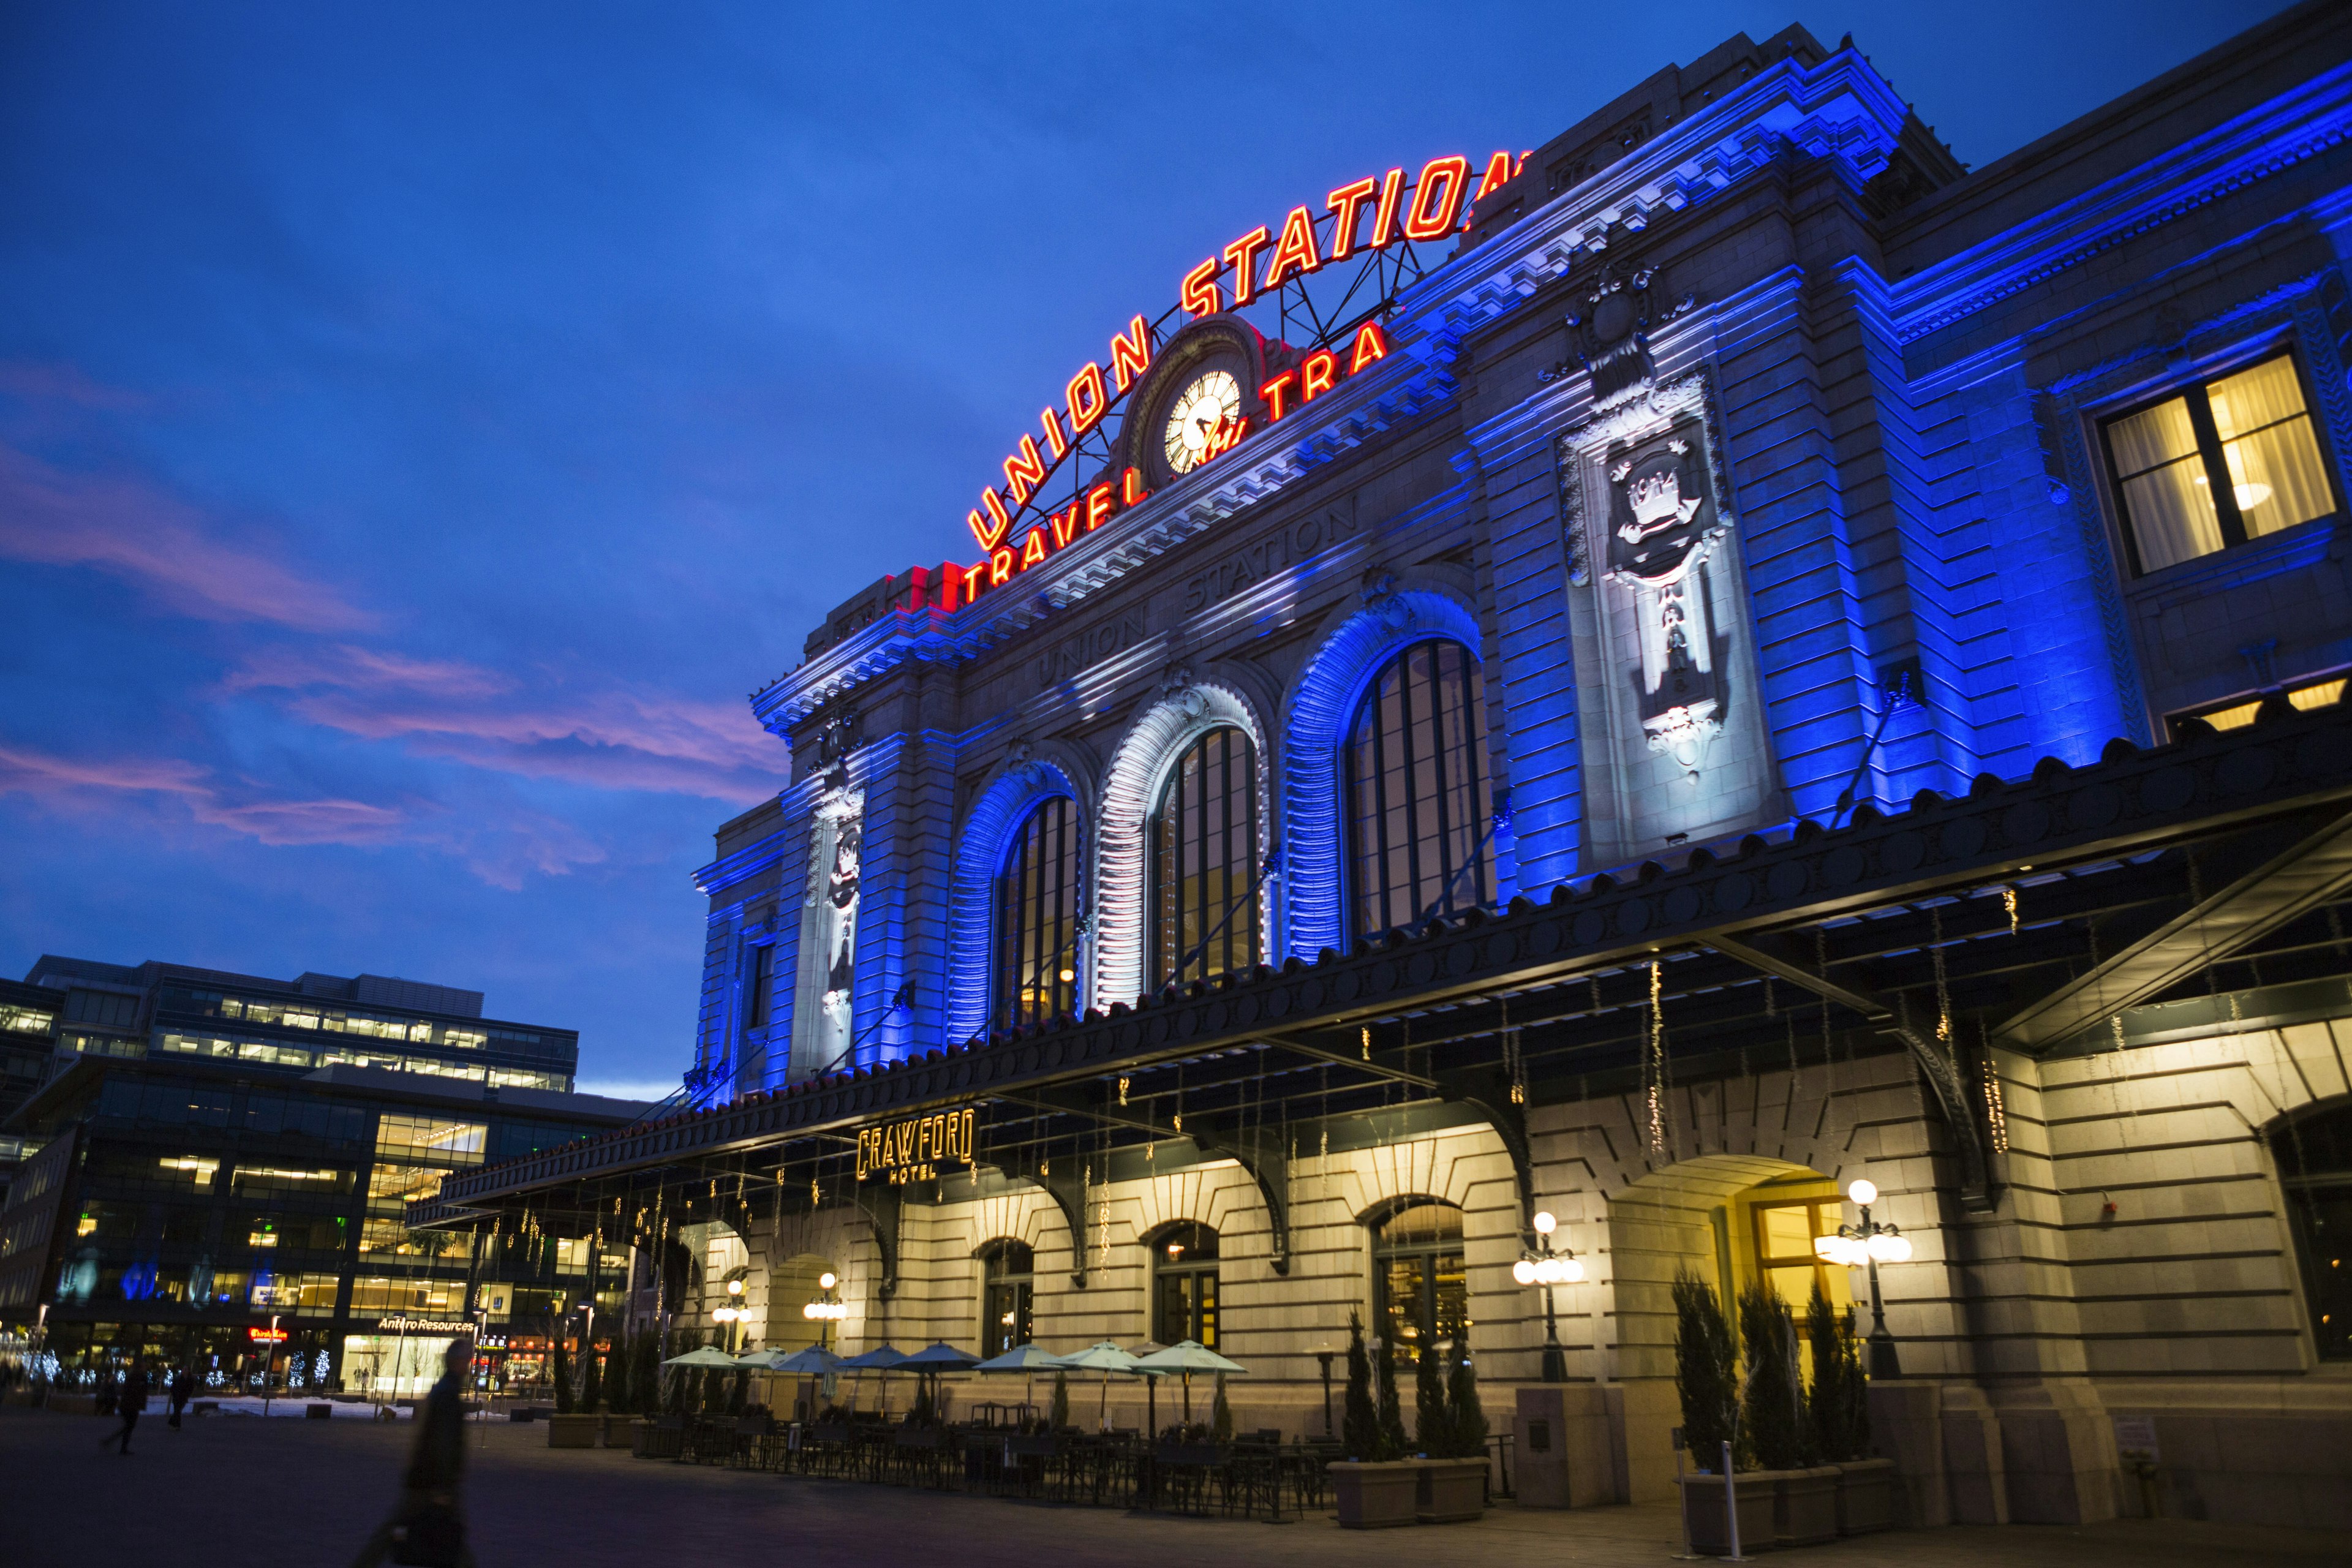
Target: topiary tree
point(1432, 1421)
point(1058, 1413)
point(1469, 1419)
point(1771, 1404)
point(562, 1373)
point(1221, 1415)
point(1359, 1428)
point(1825, 1418)
point(1392, 1440)
point(1706, 1370)
point(619, 1397)
point(1854, 1432)
point(592, 1379)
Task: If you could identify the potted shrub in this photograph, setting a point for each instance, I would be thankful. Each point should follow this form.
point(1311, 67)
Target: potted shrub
point(1840, 1415)
point(1372, 1489)
point(567, 1428)
point(1706, 1380)
point(1772, 1414)
point(1452, 1480)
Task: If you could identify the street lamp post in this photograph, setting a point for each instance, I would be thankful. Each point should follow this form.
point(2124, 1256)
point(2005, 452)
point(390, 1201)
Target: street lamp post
point(1543, 1264)
point(1867, 1244)
point(825, 1312)
point(728, 1316)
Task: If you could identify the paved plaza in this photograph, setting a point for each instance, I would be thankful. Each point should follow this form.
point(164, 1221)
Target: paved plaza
point(240, 1490)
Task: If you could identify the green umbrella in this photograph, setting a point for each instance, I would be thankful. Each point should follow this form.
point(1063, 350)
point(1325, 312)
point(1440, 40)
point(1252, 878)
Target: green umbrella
point(1105, 1357)
point(704, 1355)
point(1184, 1358)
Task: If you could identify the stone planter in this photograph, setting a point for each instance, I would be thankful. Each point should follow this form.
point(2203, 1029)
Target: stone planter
point(1865, 1496)
point(574, 1431)
point(1710, 1534)
point(639, 1430)
point(74, 1404)
point(1805, 1507)
point(1449, 1491)
point(1374, 1497)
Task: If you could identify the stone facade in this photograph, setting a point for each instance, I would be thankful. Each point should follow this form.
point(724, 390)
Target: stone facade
point(1852, 400)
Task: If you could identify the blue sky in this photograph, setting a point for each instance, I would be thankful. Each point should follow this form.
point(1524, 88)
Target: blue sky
point(421, 426)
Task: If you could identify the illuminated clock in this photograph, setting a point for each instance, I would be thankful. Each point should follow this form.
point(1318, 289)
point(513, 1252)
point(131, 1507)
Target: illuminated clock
point(1206, 403)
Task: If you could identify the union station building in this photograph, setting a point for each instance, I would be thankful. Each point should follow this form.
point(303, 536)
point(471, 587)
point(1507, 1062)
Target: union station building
point(1644, 680)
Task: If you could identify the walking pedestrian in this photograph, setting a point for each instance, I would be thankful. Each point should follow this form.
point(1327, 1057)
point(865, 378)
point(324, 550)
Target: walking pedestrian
point(426, 1527)
point(130, 1399)
point(184, 1388)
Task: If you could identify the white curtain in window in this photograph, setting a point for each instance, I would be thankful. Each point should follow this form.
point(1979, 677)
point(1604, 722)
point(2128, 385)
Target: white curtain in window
point(2165, 493)
point(2269, 445)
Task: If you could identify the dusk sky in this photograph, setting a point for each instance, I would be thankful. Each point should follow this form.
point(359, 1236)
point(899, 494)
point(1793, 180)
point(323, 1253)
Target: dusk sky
point(420, 427)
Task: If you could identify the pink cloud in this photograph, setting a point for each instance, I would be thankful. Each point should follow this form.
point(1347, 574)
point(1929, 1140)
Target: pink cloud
point(501, 848)
point(131, 530)
point(80, 784)
point(37, 381)
point(612, 739)
point(37, 774)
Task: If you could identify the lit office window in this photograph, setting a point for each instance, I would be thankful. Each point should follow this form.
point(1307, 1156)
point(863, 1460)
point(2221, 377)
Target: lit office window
point(1203, 855)
point(1418, 796)
point(1035, 969)
point(2218, 464)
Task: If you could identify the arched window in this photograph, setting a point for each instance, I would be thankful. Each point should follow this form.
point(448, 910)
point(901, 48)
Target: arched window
point(1417, 1274)
point(1204, 920)
point(2315, 1164)
point(1007, 1270)
point(1185, 1284)
point(1036, 971)
point(1419, 800)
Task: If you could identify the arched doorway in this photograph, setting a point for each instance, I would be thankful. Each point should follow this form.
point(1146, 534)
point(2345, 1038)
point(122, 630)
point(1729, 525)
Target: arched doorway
point(1731, 1219)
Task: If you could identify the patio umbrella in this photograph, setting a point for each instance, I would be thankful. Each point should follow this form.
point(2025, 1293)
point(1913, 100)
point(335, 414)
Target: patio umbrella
point(1105, 1357)
point(881, 1358)
point(814, 1361)
point(1185, 1358)
point(936, 1358)
point(704, 1355)
point(1023, 1358)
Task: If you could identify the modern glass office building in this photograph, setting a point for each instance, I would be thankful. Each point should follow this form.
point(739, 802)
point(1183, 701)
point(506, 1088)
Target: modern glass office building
point(213, 1158)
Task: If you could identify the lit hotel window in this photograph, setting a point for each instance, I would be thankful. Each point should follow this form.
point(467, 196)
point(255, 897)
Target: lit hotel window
point(1035, 969)
point(2237, 712)
point(2218, 464)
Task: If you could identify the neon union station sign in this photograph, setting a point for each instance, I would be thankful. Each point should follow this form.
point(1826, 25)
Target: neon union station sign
point(1361, 220)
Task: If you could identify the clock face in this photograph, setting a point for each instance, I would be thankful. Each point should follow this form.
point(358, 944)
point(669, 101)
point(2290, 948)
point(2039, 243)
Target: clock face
point(1211, 398)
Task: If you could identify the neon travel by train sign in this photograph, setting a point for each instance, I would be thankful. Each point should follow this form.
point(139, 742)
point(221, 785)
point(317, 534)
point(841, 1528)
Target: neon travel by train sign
point(1361, 221)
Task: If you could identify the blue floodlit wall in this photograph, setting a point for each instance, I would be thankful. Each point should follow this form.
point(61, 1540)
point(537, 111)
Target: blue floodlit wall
point(1901, 369)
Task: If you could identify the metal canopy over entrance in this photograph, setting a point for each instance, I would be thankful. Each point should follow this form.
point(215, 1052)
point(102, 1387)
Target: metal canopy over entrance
point(2053, 903)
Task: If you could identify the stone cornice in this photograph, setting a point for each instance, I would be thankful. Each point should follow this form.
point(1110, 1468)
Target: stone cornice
point(2297, 125)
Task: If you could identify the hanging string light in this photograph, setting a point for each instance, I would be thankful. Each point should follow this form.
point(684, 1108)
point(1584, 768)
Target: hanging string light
point(1653, 1064)
point(1368, 1042)
point(2009, 902)
point(1943, 990)
point(1514, 1059)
